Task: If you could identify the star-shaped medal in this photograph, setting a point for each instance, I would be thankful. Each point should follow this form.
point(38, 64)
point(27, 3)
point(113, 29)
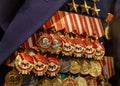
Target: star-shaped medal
point(73, 6)
point(85, 7)
point(95, 10)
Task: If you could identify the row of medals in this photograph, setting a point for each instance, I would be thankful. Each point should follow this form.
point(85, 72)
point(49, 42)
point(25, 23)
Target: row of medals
point(77, 67)
point(70, 45)
point(16, 79)
point(48, 59)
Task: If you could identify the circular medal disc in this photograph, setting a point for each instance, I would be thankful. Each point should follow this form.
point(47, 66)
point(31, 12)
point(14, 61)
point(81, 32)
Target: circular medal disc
point(85, 67)
point(81, 81)
point(75, 67)
point(69, 82)
point(13, 78)
point(96, 68)
point(44, 82)
point(57, 81)
point(44, 42)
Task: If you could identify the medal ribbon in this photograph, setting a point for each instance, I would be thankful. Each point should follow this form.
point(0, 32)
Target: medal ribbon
point(109, 67)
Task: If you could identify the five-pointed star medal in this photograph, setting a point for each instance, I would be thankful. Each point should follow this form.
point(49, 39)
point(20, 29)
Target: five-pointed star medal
point(95, 10)
point(73, 6)
point(85, 7)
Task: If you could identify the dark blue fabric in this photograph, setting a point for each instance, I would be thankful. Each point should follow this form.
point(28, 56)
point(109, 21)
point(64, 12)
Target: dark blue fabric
point(32, 15)
point(117, 9)
point(8, 9)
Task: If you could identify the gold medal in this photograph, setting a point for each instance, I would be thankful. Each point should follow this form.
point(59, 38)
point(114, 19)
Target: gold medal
point(68, 46)
point(90, 49)
point(85, 67)
point(57, 81)
point(81, 81)
point(24, 63)
point(13, 78)
point(40, 65)
point(100, 50)
point(44, 82)
point(53, 66)
point(79, 47)
point(75, 67)
point(96, 68)
point(69, 81)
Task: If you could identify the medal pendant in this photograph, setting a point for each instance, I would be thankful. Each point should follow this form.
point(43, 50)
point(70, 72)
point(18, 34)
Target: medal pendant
point(81, 81)
point(13, 78)
point(53, 66)
point(69, 81)
point(85, 67)
point(44, 82)
point(44, 42)
point(24, 63)
point(40, 65)
point(56, 44)
point(57, 81)
point(96, 68)
point(75, 67)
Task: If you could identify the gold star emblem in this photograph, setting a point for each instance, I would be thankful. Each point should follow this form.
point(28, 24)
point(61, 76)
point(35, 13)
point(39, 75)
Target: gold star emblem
point(85, 7)
point(73, 6)
point(95, 10)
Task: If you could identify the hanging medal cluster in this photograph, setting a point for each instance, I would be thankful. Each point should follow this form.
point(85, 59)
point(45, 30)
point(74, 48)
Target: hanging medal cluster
point(58, 52)
point(29, 61)
point(70, 45)
point(67, 43)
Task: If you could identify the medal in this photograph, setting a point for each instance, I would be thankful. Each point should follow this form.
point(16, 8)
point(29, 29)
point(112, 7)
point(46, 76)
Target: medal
point(24, 63)
point(81, 81)
point(40, 65)
point(69, 81)
point(57, 81)
point(53, 66)
point(44, 42)
point(75, 67)
point(100, 51)
point(44, 82)
point(91, 81)
point(90, 50)
point(13, 78)
point(79, 47)
point(96, 68)
point(65, 65)
point(85, 67)
point(67, 47)
point(56, 45)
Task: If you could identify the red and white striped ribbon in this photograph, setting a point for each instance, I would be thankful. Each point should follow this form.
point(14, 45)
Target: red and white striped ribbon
point(109, 67)
point(75, 22)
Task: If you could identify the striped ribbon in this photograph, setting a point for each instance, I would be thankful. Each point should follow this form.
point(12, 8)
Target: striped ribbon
point(102, 63)
point(62, 20)
point(109, 67)
point(75, 22)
